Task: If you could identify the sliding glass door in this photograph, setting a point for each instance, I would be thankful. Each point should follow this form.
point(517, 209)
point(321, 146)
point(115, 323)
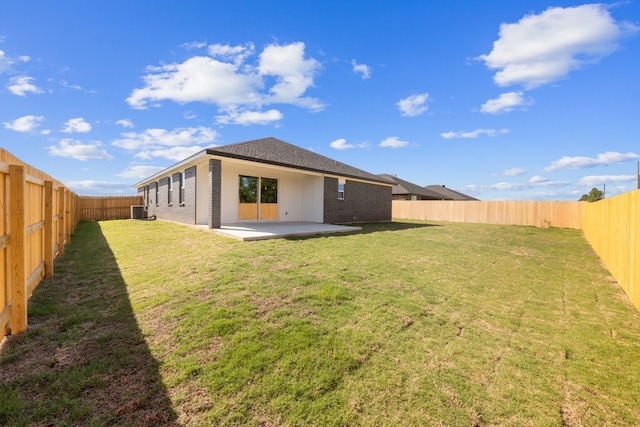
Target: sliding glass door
point(258, 198)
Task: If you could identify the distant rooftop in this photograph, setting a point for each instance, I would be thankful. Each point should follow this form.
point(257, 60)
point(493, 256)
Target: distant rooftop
point(448, 193)
point(405, 187)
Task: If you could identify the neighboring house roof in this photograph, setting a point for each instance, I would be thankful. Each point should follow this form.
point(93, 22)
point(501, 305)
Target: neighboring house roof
point(406, 187)
point(448, 193)
point(275, 152)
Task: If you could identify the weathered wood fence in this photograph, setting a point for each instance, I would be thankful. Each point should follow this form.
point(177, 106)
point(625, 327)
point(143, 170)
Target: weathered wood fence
point(612, 226)
point(39, 218)
point(92, 208)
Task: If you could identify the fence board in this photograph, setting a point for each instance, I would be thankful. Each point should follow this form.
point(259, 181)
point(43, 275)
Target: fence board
point(612, 227)
point(531, 213)
point(18, 253)
point(96, 208)
point(28, 234)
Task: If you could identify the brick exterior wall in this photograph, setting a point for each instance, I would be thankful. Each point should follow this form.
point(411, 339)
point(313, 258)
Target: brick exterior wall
point(215, 193)
point(362, 202)
point(176, 211)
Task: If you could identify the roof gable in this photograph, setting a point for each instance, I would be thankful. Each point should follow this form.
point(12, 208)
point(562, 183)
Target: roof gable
point(279, 153)
point(406, 187)
point(449, 193)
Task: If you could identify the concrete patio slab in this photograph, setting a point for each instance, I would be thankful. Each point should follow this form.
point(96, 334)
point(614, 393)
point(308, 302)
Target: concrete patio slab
point(274, 230)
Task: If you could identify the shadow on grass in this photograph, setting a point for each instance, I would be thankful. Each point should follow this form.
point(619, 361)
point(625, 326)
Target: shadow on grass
point(83, 359)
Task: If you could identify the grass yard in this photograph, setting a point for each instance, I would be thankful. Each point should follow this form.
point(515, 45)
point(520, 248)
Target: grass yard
point(405, 323)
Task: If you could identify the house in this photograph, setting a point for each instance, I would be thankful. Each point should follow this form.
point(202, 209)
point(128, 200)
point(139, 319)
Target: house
point(405, 190)
point(265, 180)
point(447, 193)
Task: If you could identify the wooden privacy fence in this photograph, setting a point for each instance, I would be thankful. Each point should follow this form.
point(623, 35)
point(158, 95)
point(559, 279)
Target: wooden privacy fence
point(612, 227)
point(39, 217)
point(105, 208)
point(537, 214)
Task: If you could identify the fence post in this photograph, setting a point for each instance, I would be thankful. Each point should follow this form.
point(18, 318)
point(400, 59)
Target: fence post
point(18, 255)
point(48, 228)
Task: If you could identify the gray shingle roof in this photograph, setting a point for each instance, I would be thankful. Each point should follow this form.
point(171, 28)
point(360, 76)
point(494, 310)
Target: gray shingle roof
point(273, 151)
point(449, 193)
point(406, 187)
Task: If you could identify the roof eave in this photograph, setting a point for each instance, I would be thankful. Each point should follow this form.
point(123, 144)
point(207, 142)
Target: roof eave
point(214, 152)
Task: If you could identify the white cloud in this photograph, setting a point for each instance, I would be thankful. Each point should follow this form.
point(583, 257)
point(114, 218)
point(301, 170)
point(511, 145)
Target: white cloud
point(249, 117)
point(538, 179)
point(24, 123)
point(593, 180)
point(5, 62)
point(474, 133)
point(158, 139)
point(66, 84)
point(77, 125)
point(200, 79)
point(341, 144)
point(21, 85)
point(91, 187)
point(125, 123)
point(140, 171)
point(393, 142)
point(580, 162)
point(236, 54)
point(535, 182)
point(543, 48)
point(227, 80)
point(294, 74)
point(79, 151)
point(362, 69)
point(513, 172)
point(174, 153)
point(504, 103)
point(413, 105)
point(193, 45)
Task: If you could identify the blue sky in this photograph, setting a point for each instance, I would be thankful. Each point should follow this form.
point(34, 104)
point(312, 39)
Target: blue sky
point(502, 100)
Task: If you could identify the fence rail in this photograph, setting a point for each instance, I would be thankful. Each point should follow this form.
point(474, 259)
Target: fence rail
point(105, 208)
point(39, 218)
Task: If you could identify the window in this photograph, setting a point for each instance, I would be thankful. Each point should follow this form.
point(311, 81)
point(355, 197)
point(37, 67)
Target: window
point(157, 194)
point(181, 194)
point(170, 192)
point(341, 183)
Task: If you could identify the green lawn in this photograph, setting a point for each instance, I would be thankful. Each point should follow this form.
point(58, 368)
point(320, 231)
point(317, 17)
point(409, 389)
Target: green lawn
point(402, 324)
